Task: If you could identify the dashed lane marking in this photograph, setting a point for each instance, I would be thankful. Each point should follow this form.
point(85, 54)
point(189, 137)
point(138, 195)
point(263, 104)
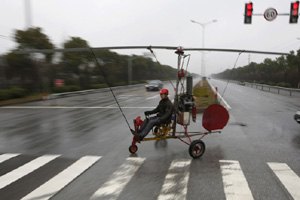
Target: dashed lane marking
point(235, 183)
point(288, 178)
point(18, 173)
point(7, 156)
point(175, 184)
point(119, 179)
point(54, 185)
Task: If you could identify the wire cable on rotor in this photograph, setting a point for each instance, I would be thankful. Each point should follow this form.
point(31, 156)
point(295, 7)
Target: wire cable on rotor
point(110, 88)
point(187, 64)
point(149, 48)
point(182, 66)
point(232, 72)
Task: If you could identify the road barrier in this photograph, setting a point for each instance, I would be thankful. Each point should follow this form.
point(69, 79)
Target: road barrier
point(275, 89)
point(270, 88)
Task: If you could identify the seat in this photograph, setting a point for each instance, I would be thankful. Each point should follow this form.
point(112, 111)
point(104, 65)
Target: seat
point(163, 129)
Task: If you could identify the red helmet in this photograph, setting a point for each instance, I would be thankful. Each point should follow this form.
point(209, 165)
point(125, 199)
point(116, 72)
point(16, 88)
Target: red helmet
point(164, 91)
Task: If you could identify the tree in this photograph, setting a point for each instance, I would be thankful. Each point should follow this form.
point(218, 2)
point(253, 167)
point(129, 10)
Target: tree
point(283, 66)
point(33, 38)
point(77, 63)
point(269, 67)
point(21, 68)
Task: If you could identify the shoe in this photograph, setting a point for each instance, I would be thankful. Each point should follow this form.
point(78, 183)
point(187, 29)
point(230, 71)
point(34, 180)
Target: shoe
point(133, 132)
point(136, 134)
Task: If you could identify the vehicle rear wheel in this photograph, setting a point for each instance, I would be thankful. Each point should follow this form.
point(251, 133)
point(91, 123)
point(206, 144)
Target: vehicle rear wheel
point(133, 148)
point(197, 149)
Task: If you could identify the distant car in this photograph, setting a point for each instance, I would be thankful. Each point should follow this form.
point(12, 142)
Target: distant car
point(154, 85)
point(297, 117)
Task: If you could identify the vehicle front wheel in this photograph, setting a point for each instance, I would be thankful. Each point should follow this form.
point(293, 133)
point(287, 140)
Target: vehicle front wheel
point(133, 148)
point(197, 149)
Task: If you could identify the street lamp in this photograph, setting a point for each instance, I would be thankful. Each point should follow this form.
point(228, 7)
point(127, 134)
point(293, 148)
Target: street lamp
point(203, 37)
point(28, 13)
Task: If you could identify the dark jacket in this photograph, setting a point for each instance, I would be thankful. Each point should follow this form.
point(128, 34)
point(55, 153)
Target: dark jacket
point(163, 110)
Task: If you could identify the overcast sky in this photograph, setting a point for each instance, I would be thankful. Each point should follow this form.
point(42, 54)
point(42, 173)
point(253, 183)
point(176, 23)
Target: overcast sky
point(158, 23)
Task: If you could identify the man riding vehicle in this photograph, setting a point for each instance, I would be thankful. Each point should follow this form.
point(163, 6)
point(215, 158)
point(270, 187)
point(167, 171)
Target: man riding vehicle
point(164, 114)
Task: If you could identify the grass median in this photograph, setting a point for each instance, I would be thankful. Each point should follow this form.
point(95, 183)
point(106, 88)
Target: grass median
point(203, 95)
point(22, 100)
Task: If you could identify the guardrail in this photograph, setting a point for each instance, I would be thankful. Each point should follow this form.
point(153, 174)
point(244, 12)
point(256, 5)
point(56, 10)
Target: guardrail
point(275, 89)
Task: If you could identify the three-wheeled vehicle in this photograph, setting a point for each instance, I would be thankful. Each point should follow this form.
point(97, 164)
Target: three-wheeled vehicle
point(215, 117)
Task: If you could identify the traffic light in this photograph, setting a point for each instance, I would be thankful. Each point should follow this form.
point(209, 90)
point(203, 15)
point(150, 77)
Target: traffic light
point(248, 13)
point(294, 14)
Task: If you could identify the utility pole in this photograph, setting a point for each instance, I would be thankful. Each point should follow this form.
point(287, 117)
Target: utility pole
point(249, 59)
point(28, 13)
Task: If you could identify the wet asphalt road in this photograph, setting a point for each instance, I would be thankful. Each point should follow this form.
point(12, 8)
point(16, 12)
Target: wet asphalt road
point(261, 129)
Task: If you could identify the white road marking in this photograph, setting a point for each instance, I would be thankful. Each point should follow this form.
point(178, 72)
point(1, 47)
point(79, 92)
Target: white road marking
point(153, 97)
point(235, 183)
point(69, 107)
point(54, 185)
point(7, 156)
point(222, 99)
point(175, 184)
point(288, 178)
point(18, 173)
point(118, 180)
point(225, 103)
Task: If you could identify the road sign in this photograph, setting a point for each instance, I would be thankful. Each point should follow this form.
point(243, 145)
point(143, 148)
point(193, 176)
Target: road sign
point(270, 14)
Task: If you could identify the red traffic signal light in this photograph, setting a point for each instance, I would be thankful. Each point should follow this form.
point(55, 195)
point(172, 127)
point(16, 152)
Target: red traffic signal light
point(294, 14)
point(248, 13)
point(296, 5)
point(249, 6)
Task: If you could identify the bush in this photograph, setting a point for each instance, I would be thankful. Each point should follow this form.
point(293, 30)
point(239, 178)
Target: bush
point(72, 88)
point(142, 81)
point(271, 83)
point(3, 95)
point(97, 86)
point(13, 93)
point(283, 84)
point(121, 83)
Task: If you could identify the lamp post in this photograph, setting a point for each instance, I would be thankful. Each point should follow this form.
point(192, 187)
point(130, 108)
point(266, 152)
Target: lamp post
point(203, 39)
point(28, 13)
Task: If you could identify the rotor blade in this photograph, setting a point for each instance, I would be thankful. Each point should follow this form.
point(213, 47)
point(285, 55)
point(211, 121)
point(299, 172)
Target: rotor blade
point(147, 47)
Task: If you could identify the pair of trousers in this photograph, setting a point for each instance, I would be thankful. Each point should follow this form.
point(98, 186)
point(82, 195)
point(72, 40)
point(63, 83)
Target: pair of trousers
point(148, 125)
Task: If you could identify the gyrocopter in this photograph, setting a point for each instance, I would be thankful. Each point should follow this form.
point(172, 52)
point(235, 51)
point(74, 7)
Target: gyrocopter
point(215, 117)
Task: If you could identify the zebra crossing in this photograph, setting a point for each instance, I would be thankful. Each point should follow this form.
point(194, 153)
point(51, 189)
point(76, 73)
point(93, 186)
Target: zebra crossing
point(174, 185)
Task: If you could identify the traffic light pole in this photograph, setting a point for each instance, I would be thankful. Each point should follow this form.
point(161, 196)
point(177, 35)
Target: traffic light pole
point(282, 14)
point(270, 14)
